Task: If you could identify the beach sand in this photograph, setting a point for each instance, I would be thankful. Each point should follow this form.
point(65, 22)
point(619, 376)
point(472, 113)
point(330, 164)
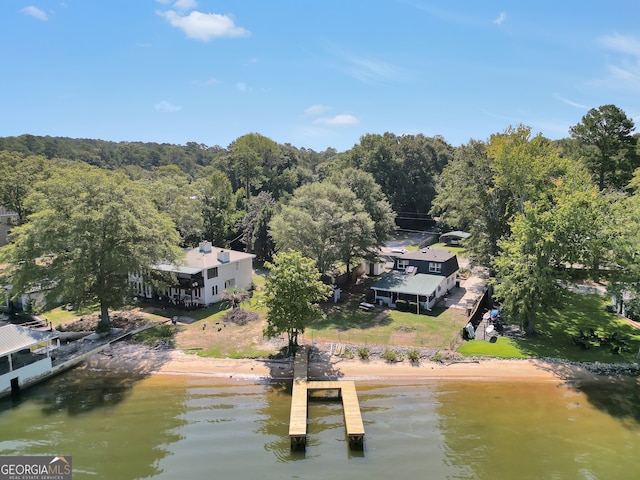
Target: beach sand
point(127, 357)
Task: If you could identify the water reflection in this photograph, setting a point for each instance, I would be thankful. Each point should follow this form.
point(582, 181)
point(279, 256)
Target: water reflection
point(525, 430)
point(110, 430)
point(194, 427)
point(622, 400)
point(274, 422)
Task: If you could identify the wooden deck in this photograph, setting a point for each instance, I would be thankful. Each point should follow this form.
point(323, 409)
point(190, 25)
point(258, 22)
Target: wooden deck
point(298, 417)
point(299, 402)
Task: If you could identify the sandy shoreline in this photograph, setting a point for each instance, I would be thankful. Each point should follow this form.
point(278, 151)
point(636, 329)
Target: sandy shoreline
point(132, 358)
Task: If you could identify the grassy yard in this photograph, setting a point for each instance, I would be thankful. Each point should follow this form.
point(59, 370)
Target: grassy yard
point(204, 333)
point(346, 323)
point(557, 325)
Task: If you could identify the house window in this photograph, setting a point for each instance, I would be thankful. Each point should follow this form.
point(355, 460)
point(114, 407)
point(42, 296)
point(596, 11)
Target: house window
point(212, 272)
point(214, 290)
point(229, 283)
point(403, 263)
point(435, 267)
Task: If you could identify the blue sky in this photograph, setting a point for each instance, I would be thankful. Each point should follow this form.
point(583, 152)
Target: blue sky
point(315, 74)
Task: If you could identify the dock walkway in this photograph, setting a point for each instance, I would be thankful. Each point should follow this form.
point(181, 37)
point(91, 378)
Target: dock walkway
point(300, 397)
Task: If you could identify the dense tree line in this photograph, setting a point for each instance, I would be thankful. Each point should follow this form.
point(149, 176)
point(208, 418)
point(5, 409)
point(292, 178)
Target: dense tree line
point(535, 207)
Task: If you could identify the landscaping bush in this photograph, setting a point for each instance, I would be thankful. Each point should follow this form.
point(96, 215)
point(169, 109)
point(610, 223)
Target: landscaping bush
point(413, 355)
point(390, 356)
point(402, 305)
point(413, 307)
point(364, 353)
point(437, 357)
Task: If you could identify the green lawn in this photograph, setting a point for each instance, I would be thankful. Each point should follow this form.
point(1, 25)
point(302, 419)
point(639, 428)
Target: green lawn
point(345, 322)
point(61, 315)
point(503, 348)
point(555, 328)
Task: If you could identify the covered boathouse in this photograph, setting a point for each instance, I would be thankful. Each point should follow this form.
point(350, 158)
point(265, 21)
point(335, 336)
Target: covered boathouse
point(25, 357)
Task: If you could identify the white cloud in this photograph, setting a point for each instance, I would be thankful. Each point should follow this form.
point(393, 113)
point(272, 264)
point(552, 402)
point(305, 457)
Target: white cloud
point(165, 106)
point(624, 63)
point(338, 120)
point(204, 26)
point(501, 19)
point(370, 71)
point(242, 87)
point(570, 102)
point(622, 44)
point(316, 110)
point(185, 4)
point(35, 12)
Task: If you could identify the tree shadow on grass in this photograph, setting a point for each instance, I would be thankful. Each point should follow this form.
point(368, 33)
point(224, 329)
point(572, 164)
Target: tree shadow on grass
point(348, 315)
point(579, 329)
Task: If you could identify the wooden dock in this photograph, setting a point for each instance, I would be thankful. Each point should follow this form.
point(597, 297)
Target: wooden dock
point(300, 397)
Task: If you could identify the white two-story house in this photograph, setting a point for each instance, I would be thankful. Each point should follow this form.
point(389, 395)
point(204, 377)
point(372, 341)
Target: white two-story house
point(204, 274)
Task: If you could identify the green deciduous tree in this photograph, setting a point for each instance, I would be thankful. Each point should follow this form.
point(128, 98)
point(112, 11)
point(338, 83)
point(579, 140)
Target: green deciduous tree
point(625, 279)
point(607, 135)
point(328, 223)
point(255, 225)
point(570, 224)
point(219, 212)
point(405, 166)
point(469, 200)
point(90, 229)
point(293, 290)
point(525, 273)
point(487, 184)
point(375, 203)
point(19, 174)
point(523, 166)
point(251, 155)
point(177, 198)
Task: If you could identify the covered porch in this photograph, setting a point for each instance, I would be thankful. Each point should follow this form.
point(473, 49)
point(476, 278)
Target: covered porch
point(421, 289)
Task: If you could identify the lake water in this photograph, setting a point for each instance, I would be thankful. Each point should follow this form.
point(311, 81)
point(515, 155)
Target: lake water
point(177, 427)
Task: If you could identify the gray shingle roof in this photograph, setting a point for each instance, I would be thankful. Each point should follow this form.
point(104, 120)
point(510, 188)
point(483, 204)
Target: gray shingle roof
point(399, 282)
point(14, 338)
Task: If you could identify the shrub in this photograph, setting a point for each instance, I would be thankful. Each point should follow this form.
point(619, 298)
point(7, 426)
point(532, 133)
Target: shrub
point(402, 305)
point(413, 355)
point(390, 356)
point(164, 331)
point(364, 353)
point(413, 307)
point(437, 357)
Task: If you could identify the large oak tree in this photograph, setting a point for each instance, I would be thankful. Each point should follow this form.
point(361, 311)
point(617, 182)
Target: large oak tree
point(90, 229)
